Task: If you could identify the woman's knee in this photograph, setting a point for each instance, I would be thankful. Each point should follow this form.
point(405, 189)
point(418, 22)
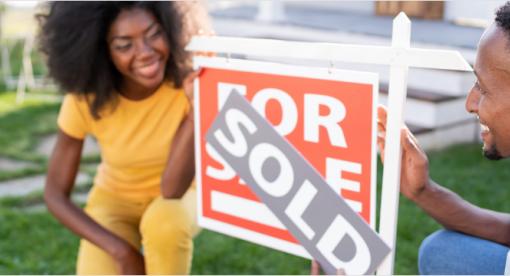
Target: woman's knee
point(166, 222)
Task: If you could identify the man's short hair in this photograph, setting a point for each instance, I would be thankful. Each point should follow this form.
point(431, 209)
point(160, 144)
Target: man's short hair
point(503, 18)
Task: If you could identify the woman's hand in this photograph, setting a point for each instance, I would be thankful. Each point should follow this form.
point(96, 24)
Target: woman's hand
point(180, 169)
point(62, 170)
point(129, 260)
point(188, 85)
point(415, 165)
point(316, 269)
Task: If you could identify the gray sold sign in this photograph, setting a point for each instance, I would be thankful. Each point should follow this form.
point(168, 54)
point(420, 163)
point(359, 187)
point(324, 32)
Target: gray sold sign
point(294, 191)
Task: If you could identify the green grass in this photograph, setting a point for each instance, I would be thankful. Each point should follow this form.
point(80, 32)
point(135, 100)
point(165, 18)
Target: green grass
point(22, 127)
point(218, 254)
point(461, 168)
point(21, 202)
point(33, 242)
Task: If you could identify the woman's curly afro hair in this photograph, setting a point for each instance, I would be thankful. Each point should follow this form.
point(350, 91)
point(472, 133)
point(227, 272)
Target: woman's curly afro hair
point(73, 37)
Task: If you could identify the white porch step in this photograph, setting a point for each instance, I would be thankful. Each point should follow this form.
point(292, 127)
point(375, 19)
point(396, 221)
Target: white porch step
point(439, 138)
point(431, 110)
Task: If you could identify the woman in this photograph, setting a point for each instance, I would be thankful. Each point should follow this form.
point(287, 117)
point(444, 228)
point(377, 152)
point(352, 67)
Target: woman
point(123, 64)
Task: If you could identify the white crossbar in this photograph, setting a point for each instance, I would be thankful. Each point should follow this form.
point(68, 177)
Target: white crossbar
point(413, 57)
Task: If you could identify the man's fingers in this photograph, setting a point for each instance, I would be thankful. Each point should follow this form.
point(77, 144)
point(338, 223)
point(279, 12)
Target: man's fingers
point(409, 142)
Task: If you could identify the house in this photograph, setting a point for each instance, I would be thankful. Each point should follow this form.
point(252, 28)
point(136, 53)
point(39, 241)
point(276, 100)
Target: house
point(435, 104)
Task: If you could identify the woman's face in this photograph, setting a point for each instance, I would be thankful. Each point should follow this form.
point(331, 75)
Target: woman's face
point(138, 48)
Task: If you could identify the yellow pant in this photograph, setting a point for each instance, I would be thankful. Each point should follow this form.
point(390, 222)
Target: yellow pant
point(164, 228)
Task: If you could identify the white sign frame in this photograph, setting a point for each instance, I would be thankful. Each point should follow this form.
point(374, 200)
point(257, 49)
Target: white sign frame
point(399, 56)
point(283, 70)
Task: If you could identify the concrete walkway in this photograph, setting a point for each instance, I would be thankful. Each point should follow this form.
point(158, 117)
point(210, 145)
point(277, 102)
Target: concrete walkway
point(45, 147)
point(8, 164)
point(23, 186)
point(26, 185)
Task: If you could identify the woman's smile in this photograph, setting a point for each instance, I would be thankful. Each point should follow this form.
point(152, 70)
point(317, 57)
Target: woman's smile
point(149, 70)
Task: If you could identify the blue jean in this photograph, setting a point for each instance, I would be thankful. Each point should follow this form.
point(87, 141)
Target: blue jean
point(448, 252)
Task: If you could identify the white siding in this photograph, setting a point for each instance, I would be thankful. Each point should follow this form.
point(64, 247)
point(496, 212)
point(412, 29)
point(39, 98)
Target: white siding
point(483, 10)
point(361, 7)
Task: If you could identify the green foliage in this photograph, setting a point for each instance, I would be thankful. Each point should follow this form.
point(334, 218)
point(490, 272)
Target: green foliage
point(15, 48)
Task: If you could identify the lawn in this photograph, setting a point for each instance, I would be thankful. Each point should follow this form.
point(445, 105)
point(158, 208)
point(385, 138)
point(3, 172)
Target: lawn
point(21, 126)
point(33, 242)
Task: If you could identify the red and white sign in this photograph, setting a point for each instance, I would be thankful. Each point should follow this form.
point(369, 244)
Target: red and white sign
point(328, 115)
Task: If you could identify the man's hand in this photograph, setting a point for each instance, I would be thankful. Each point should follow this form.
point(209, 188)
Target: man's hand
point(415, 165)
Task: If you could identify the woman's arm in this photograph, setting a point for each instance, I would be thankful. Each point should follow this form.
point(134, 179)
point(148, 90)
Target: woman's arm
point(63, 166)
point(180, 168)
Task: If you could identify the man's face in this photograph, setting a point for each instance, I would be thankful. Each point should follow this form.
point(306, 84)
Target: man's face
point(490, 96)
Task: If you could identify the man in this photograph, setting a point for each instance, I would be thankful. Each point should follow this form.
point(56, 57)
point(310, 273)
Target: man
point(477, 240)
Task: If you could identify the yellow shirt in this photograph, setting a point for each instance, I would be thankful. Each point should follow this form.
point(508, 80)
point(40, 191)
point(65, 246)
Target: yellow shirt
point(134, 139)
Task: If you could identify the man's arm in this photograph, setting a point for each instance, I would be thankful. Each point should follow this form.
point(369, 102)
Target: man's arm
point(455, 213)
point(443, 205)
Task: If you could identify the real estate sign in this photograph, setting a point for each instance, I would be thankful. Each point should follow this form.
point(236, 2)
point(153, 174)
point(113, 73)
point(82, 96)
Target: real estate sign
point(328, 115)
point(294, 191)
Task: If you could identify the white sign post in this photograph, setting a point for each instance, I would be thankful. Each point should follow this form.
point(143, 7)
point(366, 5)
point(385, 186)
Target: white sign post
point(391, 177)
point(399, 56)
